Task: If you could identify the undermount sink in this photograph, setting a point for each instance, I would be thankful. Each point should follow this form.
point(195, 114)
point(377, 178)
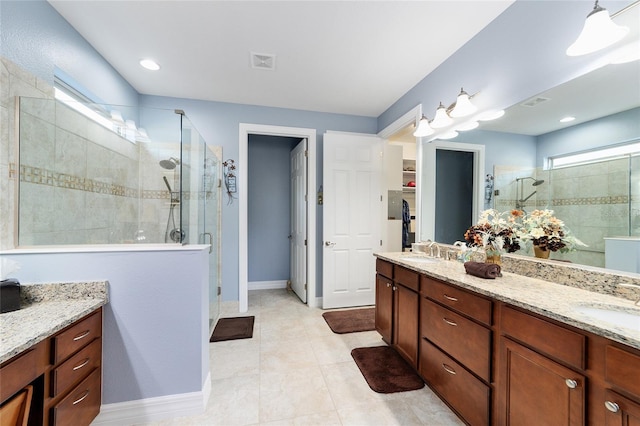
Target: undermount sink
point(420, 259)
point(613, 315)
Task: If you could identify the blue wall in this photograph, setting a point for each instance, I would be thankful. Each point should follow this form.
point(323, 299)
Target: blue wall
point(218, 123)
point(614, 129)
point(269, 202)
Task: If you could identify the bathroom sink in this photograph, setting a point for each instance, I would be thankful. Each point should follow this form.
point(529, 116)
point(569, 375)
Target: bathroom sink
point(614, 315)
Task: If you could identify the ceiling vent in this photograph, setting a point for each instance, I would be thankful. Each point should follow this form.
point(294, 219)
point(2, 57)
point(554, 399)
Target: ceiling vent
point(534, 101)
point(263, 61)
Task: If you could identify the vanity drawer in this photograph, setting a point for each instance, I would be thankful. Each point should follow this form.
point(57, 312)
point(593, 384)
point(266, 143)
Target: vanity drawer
point(82, 404)
point(622, 369)
point(77, 367)
point(463, 392)
point(406, 277)
point(76, 336)
point(463, 339)
point(459, 300)
point(543, 336)
point(384, 268)
point(19, 371)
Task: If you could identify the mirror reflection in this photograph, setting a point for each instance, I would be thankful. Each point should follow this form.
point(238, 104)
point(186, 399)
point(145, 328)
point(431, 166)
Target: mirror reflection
point(597, 192)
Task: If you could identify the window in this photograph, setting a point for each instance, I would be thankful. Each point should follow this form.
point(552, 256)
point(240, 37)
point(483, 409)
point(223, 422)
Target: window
point(593, 156)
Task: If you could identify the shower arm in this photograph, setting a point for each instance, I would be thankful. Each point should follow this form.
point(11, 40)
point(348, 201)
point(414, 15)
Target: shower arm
point(530, 195)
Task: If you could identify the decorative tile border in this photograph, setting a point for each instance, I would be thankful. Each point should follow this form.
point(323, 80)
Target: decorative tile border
point(582, 201)
point(41, 176)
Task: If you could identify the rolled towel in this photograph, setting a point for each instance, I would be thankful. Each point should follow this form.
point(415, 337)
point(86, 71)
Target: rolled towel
point(483, 270)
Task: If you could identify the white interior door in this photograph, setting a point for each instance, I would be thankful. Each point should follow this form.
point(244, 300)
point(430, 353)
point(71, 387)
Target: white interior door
point(352, 218)
point(298, 235)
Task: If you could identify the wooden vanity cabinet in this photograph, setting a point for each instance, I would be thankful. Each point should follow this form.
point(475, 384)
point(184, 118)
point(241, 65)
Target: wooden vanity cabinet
point(397, 305)
point(622, 375)
point(65, 371)
point(541, 377)
point(456, 348)
point(406, 305)
point(384, 308)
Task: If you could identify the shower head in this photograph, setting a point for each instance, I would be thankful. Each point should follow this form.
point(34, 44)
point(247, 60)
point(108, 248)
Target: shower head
point(169, 164)
point(536, 182)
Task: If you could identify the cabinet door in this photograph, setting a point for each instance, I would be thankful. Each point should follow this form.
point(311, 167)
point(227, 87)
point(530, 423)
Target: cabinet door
point(539, 391)
point(405, 328)
point(384, 307)
point(621, 411)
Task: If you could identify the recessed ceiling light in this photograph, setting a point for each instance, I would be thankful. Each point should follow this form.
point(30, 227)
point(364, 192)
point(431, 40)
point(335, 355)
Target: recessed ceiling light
point(150, 64)
point(567, 119)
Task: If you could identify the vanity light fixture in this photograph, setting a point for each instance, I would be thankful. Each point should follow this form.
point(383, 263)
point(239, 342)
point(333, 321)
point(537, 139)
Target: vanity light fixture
point(423, 129)
point(567, 119)
point(463, 106)
point(441, 119)
point(599, 31)
point(149, 64)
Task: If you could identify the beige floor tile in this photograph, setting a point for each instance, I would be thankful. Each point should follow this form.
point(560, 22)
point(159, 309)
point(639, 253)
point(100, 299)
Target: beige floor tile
point(296, 371)
point(293, 393)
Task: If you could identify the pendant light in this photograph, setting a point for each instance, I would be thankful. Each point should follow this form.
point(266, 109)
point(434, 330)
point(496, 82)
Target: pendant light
point(441, 119)
point(463, 106)
point(423, 129)
point(599, 31)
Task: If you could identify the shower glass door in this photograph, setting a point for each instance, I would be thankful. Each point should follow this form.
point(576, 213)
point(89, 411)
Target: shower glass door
point(209, 223)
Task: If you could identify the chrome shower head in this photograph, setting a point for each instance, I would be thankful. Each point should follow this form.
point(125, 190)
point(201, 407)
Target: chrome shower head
point(169, 164)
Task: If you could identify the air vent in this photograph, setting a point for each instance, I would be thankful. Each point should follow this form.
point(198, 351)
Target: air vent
point(263, 61)
point(534, 101)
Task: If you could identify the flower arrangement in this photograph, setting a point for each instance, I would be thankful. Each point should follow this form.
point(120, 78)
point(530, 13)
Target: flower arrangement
point(547, 232)
point(496, 232)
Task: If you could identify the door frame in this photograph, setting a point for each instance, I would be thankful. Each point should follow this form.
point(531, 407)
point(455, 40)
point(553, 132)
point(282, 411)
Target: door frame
point(429, 188)
point(246, 129)
point(412, 116)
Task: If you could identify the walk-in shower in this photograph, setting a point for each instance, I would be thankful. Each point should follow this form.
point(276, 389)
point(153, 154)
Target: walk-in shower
point(520, 198)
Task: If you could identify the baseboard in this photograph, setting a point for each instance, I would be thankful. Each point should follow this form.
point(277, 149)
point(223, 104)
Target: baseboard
point(266, 285)
point(155, 409)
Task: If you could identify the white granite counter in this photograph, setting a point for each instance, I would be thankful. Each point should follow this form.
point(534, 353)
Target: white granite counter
point(45, 310)
point(552, 300)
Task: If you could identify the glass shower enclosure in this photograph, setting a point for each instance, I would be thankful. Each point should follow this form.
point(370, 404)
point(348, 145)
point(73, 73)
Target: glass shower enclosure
point(94, 174)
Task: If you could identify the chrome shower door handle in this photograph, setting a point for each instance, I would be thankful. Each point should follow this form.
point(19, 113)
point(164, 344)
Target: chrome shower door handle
point(208, 234)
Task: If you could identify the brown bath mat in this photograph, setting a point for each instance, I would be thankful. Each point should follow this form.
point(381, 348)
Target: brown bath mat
point(385, 370)
point(351, 321)
point(233, 328)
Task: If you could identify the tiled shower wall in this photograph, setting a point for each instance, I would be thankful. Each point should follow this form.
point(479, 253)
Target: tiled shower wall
point(13, 82)
point(595, 201)
point(79, 182)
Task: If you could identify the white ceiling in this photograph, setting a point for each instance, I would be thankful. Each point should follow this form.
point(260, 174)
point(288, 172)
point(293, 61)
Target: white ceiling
point(350, 57)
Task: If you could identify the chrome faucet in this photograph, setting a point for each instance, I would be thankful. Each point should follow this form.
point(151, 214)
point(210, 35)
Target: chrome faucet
point(632, 286)
point(431, 247)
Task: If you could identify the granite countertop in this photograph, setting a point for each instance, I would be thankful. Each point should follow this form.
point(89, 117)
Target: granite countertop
point(552, 300)
point(45, 310)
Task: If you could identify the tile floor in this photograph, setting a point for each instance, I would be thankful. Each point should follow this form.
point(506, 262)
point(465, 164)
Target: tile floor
point(296, 371)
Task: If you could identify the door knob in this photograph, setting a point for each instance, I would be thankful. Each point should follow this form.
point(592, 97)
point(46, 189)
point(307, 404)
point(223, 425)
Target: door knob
point(571, 384)
point(329, 244)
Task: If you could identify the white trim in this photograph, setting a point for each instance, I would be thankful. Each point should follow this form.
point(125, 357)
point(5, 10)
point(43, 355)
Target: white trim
point(412, 116)
point(155, 409)
point(267, 285)
point(243, 157)
point(429, 182)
